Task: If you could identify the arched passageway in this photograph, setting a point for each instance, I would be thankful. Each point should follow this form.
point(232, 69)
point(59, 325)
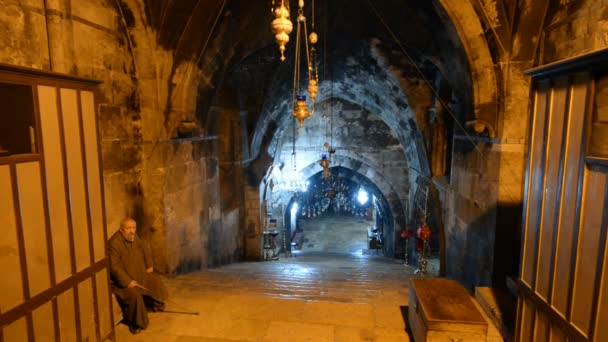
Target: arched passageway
point(337, 197)
point(342, 212)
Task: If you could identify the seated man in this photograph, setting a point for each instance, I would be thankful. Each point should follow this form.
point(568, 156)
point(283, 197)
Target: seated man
point(133, 282)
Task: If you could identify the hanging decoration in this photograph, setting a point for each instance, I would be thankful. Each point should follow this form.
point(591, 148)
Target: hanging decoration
point(313, 76)
point(281, 26)
point(423, 235)
point(325, 165)
point(329, 122)
point(300, 108)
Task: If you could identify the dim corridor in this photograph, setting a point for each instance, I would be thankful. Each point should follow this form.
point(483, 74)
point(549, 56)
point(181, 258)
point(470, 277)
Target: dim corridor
point(311, 297)
point(335, 233)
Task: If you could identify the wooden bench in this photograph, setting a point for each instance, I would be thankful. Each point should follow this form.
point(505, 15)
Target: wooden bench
point(442, 310)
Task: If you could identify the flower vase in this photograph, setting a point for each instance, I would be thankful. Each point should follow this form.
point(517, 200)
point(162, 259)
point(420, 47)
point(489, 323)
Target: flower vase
point(425, 251)
point(422, 258)
point(406, 263)
point(423, 264)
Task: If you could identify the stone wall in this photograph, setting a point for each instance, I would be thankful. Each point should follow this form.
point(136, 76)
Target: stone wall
point(575, 27)
point(483, 200)
point(484, 210)
point(182, 180)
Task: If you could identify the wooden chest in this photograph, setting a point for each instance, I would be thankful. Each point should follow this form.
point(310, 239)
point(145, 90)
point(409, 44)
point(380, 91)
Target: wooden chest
point(442, 310)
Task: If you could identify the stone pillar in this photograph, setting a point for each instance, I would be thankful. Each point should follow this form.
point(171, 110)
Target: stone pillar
point(244, 136)
point(254, 216)
point(227, 241)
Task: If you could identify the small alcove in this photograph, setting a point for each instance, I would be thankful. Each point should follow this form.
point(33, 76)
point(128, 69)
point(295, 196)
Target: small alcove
point(17, 128)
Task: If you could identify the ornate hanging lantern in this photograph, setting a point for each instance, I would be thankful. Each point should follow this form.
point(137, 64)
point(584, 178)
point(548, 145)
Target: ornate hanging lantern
point(281, 26)
point(325, 165)
point(300, 109)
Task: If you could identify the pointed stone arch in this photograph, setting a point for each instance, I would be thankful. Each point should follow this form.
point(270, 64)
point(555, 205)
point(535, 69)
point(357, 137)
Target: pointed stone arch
point(462, 16)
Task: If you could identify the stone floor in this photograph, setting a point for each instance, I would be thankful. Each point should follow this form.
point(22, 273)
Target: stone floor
point(311, 297)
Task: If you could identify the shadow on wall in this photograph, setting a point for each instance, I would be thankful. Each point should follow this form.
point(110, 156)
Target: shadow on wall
point(479, 238)
point(507, 243)
point(483, 234)
point(478, 254)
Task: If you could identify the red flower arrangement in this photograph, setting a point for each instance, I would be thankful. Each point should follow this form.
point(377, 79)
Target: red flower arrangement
point(422, 235)
point(424, 232)
point(406, 233)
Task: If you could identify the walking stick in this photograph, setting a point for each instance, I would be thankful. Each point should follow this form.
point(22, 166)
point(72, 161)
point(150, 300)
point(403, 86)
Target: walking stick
point(185, 312)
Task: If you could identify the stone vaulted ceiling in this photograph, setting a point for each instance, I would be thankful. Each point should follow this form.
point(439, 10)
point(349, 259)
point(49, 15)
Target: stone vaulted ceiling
point(376, 54)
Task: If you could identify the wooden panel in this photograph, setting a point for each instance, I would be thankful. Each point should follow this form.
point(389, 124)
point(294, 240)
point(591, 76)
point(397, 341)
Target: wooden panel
point(71, 129)
point(597, 146)
point(556, 334)
point(44, 328)
point(16, 331)
point(33, 220)
point(413, 314)
point(53, 165)
point(553, 155)
point(541, 327)
point(567, 224)
point(87, 312)
point(576, 305)
point(601, 330)
point(67, 323)
point(592, 209)
point(11, 290)
point(535, 182)
point(103, 298)
point(93, 176)
point(526, 320)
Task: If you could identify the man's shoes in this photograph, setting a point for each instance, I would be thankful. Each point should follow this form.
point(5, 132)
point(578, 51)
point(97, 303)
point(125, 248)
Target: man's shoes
point(135, 330)
point(158, 307)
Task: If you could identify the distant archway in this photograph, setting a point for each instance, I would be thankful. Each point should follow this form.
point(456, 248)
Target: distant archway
point(376, 212)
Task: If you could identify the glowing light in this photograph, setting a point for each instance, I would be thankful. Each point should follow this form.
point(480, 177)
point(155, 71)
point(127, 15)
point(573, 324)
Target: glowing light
point(294, 208)
point(362, 196)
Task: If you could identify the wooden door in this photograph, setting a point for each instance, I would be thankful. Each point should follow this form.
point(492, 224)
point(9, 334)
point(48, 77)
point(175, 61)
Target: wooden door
point(53, 244)
point(563, 276)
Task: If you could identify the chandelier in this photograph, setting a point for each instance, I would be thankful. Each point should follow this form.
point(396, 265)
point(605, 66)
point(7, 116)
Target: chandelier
point(332, 192)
